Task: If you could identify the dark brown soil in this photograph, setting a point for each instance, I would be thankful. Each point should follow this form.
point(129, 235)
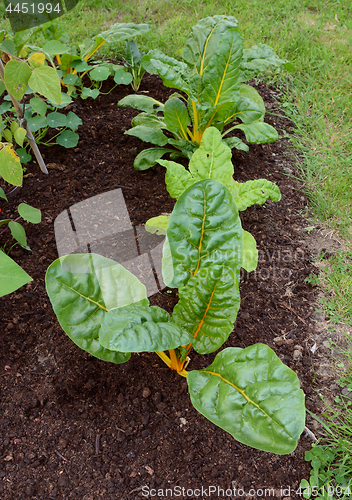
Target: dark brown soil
point(75, 427)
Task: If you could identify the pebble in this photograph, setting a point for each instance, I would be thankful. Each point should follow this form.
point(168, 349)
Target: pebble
point(146, 392)
point(297, 354)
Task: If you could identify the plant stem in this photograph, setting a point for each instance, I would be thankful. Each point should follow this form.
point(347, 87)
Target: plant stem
point(29, 132)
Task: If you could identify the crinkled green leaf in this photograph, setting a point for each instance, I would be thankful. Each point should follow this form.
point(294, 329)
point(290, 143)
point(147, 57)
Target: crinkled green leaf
point(29, 214)
point(142, 102)
point(117, 33)
point(246, 110)
point(149, 157)
point(176, 116)
point(12, 276)
point(250, 252)
point(177, 178)
point(10, 165)
point(170, 70)
point(46, 82)
point(148, 120)
point(221, 75)
point(254, 192)
point(17, 75)
point(148, 134)
point(235, 142)
point(203, 41)
point(258, 132)
point(252, 395)
point(82, 289)
point(213, 159)
point(259, 58)
point(136, 328)
point(208, 307)
point(252, 93)
point(204, 230)
point(157, 225)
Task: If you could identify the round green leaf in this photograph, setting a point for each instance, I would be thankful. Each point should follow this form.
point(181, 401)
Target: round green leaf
point(86, 92)
point(70, 79)
point(37, 122)
point(56, 119)
point(30, 214)
point(23, 155)
point(17, 76)
point(4, 107)
point(100, 73)
point(73, 121)
point(252, 395)
point(68, 139)
point(122, 77)
point(82, 289)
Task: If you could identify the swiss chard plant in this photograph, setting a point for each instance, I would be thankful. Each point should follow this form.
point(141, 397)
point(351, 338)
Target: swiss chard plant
point(212, 160)
point(12, 276)
point(73, 60)
point(211, 78)
point(133, 64)
point(104, 309)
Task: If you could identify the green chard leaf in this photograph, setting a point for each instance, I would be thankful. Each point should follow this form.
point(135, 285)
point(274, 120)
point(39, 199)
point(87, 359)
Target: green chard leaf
point(176, 117)
point(250, 252)
point(142, 102)
point(204, 230)
point(148, 134)
point(136, 328)
point(252, 395)
point(258, 132)
point(149, 157)
point(82, 289)
point(208, 307)
point(157, 225)
point(255, 192)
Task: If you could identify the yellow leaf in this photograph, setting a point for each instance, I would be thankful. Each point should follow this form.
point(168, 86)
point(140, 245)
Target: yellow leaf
point(36, 60)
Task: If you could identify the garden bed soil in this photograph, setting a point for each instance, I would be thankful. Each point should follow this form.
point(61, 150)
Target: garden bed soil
point(75, 427)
